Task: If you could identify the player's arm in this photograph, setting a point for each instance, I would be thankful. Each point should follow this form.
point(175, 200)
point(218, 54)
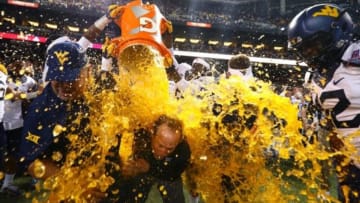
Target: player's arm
point(33, 90)
point(104, 79)
point(166, 33)
point(34, 141)
point(114, 12)
point(106, 59)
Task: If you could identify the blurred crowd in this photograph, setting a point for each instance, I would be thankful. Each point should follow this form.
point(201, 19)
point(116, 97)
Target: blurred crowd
point(252, 15)
point(25, 63)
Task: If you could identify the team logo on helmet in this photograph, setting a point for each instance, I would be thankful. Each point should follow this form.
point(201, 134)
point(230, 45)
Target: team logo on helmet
point(327, 11)
point(62, 56)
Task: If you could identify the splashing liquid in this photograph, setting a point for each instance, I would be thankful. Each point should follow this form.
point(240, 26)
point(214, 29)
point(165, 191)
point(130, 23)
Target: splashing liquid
point(231, 126)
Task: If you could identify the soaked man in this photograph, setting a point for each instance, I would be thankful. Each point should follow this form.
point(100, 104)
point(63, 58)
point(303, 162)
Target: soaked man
point(20, 91)
point(160, 157)
point(61, 102)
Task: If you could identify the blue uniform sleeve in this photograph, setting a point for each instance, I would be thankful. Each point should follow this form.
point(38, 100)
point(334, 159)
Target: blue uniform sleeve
point(44, 113)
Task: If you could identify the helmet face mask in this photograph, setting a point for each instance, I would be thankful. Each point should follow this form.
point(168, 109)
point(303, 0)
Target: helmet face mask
point(313, 47)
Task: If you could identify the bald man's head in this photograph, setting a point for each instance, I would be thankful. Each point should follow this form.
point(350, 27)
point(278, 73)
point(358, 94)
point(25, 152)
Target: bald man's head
point(167, 134)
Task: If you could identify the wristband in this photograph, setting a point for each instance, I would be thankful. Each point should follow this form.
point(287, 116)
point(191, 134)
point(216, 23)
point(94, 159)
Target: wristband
point(102, 22)
point(31, 95)
point(84, 43)
point(106, 64)
point(45, 70)
point(175, 62)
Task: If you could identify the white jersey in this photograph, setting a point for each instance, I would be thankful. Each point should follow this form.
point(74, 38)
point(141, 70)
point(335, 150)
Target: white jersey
point(172, 88)
point(201, 83)
point(180, 87)
point(182, 84)
point(341, 95)
point(194, 86)
point(245, 76)
point(13, 117)
point(3, 87)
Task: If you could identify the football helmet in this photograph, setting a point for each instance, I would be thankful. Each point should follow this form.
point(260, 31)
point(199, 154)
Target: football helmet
point(320, 33)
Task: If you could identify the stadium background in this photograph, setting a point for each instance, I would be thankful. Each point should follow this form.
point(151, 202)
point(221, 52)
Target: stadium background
point(253, 27)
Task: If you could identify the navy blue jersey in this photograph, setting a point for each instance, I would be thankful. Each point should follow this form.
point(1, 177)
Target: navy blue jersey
point(45, 129)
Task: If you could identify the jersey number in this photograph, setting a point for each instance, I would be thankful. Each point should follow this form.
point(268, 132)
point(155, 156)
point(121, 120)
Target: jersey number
point(2, 94)
point(2, 90)
point(147, 25)
point(341, 106)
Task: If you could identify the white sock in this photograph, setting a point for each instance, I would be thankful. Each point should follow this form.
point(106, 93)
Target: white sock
point(8, 180)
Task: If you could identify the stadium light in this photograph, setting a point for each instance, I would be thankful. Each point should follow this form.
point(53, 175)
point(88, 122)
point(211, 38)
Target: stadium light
point(260, 46)
point(245, 45)
point(51, 26)
point(227, 44)
point(33, 23)
point(194, 41)
point(196, 24)
point(11, 20)
point(277, 48)
point(212, 42)
point(73, 28)
point(24, 3)
point(180, 39)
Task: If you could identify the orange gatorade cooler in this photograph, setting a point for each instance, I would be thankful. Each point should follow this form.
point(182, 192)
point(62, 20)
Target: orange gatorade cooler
point(142, 24)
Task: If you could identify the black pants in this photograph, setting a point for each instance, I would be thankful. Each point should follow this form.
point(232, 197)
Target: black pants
point(3, 146)
point(138, 188)
point(12, 138)
point(350, 180)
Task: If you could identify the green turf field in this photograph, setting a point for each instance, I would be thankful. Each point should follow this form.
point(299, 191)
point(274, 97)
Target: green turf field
point(154, 195)
point(294, 187)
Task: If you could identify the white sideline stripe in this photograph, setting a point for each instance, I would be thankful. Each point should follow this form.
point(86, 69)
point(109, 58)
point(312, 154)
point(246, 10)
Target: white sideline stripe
point(32, 38)
point(228, 56)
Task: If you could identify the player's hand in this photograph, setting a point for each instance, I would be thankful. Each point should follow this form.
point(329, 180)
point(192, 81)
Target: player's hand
point(107, 48)
point(169, 26)
point(166, 27)
point(336, 143)
point(134, 167)
point(115, 11)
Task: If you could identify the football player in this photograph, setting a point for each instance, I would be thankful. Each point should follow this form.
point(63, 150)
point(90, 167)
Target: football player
point(66, 72)
point(324, 37)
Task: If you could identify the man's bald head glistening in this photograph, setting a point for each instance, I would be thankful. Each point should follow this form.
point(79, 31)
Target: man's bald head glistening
point(167, 134)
